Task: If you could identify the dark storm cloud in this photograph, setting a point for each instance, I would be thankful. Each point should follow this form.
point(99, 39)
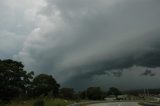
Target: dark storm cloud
point(85, 38)
point(148, 73)
point(117, 73)
point(145, 57)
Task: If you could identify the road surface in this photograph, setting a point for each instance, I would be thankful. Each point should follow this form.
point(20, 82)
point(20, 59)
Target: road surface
point(116, 104)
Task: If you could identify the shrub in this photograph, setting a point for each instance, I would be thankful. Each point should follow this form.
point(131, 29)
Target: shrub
point(39, 103)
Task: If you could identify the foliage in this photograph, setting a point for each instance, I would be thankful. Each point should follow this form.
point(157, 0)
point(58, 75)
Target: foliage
point(16, 83)
point(114, 91)
point(94, 93)
point(67, 93)
point(57, 102)
point(48, 102)
point(83, 95)
point(39, 102)
point(45, 85)
point(14, 79)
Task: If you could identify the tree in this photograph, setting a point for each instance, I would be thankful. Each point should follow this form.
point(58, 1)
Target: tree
point(83, 94)
point(114, 91)
point(14, 79)
point(94, 93)
point(67, 93)
point(45, 85)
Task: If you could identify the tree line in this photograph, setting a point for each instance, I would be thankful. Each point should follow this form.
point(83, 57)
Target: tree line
point(16, 82)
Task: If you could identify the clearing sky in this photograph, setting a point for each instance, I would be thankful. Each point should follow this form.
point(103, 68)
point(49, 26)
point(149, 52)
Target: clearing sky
point(85, 43)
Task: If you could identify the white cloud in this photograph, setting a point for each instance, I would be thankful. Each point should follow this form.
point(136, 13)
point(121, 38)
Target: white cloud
point(16, 22)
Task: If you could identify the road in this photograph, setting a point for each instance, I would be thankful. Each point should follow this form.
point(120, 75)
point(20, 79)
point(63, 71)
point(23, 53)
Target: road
point(116, 104)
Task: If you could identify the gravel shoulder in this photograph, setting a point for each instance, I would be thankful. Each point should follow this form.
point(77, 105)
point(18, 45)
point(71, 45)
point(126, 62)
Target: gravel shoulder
point(116, 104)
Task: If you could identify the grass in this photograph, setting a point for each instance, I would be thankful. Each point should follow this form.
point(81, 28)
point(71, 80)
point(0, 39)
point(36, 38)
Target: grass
point(148, 101)
point(48, 102)
point(58, 102)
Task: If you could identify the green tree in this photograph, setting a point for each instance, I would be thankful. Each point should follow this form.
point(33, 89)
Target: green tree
point(83, 94)
point(94, 93)
point(45, 85)
point(67, 93)
point(14, 79)
point(114, 91)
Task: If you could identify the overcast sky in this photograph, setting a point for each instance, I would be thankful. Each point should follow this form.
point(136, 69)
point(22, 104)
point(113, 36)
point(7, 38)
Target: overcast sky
point(85, 42)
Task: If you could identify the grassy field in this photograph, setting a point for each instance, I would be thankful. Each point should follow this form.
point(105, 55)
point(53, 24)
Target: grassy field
point(47, 102)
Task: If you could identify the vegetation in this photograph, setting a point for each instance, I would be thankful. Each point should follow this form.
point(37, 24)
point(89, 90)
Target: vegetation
point(95, 93)
point(15, 81)
point(114, 91)
point(67, 93)
point(44, 85)
point(22, 85)
point(19, 87)
point(41, 102)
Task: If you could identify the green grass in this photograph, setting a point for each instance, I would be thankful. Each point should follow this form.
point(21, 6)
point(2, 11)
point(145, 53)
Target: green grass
point(57, 102)
point(48, 102)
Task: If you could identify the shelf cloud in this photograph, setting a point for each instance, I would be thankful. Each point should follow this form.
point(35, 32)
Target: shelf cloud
point(80, 40)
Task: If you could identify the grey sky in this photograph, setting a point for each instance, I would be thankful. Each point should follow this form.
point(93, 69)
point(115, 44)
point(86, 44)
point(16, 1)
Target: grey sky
point(84, 41)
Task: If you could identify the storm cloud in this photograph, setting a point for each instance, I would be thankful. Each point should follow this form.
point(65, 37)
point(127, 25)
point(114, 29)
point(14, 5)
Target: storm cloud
point(16, 22)
point(148, 72)
point(78, 41)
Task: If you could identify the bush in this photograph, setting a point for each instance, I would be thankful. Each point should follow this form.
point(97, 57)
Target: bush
point(39, 103)
point(2, 103)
